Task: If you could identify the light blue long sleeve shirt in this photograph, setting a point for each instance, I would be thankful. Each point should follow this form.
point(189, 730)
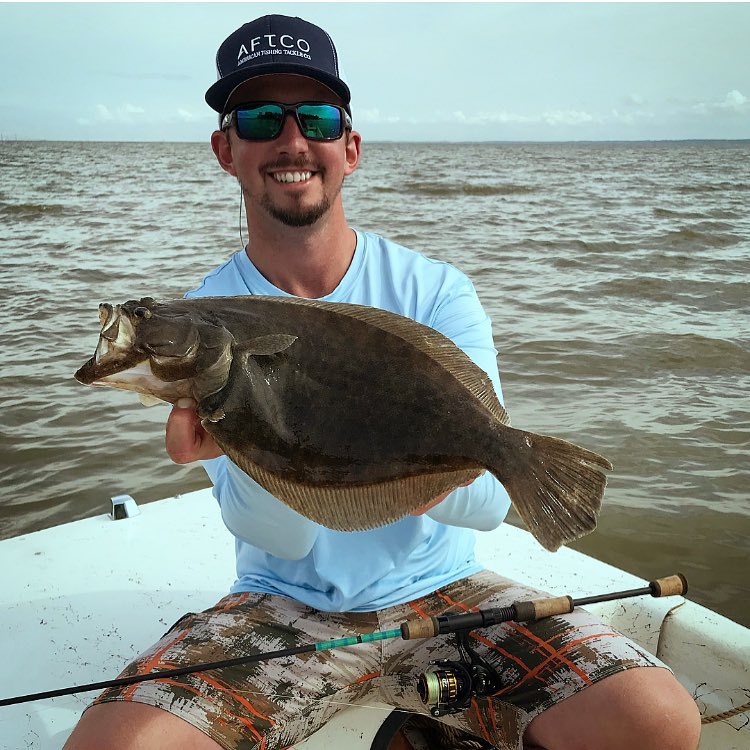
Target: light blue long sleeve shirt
point(281, 552)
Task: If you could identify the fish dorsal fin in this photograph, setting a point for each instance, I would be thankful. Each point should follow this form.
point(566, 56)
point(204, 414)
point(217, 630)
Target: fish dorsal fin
point(433, 343)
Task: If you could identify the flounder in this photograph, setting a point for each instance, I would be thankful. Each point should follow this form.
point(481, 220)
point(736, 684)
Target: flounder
point(351, 415)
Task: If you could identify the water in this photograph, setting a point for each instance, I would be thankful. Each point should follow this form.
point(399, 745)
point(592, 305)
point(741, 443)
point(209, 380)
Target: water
point(615, 274)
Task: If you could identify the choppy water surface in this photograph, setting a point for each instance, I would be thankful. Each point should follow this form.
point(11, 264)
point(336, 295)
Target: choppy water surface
point(616, 276)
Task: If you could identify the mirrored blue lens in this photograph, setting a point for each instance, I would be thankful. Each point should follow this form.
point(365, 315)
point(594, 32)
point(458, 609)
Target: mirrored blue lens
point(320, 122)
point(262, 122)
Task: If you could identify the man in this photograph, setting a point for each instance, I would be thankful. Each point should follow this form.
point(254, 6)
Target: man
point(286, 135)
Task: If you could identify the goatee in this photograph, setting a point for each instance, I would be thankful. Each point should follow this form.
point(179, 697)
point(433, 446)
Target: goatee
point(301, 216)
point(294, 215)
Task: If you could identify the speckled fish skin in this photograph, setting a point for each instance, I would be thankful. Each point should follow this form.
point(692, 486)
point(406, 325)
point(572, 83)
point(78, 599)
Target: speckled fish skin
point(353, 416)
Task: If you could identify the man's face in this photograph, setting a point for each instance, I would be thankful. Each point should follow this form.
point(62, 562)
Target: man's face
point(263, 168)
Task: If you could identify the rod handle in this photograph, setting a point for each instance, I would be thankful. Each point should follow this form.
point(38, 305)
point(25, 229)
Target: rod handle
point(670, 586)
point(428, 627)
point(536, 609)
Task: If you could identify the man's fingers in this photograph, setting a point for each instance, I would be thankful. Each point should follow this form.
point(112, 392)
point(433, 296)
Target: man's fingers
point(186, 440)
point(182, 441)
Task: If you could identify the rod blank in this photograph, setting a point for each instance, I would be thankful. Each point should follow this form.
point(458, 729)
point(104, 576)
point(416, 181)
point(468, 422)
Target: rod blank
point(429, 627)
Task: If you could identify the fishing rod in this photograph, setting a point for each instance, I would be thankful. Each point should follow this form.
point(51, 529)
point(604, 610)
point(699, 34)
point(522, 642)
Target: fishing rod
point(447, 686)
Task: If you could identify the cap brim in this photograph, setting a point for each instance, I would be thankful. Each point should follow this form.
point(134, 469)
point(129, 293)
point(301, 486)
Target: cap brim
point(218, 94)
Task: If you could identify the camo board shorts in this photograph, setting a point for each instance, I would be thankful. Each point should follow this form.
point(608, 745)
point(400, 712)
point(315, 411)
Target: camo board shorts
point(276, 704)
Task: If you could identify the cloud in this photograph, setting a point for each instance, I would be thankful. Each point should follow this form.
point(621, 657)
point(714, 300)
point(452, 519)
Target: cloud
point(490, 118)
point(635, 100)
point(557, 117)
point(733, 102)
point(569, 117)
point(374, 116)
point(125, 113)
point(130, 114)
point(184, 115)
point(735, 99)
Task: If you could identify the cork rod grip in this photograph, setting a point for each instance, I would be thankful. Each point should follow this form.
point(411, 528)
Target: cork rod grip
point(426, 628)
point(669, 586)
point(536, 609)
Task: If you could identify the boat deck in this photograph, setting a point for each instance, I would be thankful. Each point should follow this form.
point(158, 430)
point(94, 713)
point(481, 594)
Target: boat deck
point(80, 600)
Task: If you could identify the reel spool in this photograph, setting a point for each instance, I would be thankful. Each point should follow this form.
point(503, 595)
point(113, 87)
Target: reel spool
point(446, 687)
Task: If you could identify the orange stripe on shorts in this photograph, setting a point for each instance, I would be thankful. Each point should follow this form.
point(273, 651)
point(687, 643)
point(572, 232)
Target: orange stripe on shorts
point(152, 663)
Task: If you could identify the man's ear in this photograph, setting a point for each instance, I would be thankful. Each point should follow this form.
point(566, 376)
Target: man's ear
point(223, 151)
point(353, 151)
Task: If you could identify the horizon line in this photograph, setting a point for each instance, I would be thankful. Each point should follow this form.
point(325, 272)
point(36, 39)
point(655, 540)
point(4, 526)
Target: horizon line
point(5, 139)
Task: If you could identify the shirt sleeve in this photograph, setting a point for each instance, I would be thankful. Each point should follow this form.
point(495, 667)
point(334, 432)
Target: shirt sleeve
point(255, 516)
point(484, 503)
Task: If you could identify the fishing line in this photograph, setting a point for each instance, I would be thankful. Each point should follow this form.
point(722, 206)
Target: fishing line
point(242, 241)
point(430, 627)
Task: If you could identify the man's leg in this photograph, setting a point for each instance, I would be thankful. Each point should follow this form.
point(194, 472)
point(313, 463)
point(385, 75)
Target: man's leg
point(120, 725)
point(270, 703)
point(644, 708)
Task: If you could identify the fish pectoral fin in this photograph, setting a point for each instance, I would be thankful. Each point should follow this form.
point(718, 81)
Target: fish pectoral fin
point(211, 408)
point(267, 345)
point(215, 416)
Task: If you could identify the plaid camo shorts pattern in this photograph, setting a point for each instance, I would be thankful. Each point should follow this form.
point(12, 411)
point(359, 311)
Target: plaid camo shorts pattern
point(275, 704)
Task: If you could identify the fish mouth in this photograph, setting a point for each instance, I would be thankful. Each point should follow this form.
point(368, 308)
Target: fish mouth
point(119, 361)
point(115, 350)
point(141, 379)
point(117, 335)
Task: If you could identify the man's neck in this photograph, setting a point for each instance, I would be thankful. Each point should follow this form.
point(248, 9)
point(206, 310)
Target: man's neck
point(304, 261)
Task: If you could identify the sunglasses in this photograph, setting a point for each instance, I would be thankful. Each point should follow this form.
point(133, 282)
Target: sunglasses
point(264, 121)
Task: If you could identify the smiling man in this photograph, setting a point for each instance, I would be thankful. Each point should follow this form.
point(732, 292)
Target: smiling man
point(292, 194)
point(568, 682)
point(304, 187)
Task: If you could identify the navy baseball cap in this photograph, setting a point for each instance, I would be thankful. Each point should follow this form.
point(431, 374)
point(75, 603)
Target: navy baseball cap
point(276, 44)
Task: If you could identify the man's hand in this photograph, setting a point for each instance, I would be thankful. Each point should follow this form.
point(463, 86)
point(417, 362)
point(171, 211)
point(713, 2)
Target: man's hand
point(422, 509)
point(186, 440)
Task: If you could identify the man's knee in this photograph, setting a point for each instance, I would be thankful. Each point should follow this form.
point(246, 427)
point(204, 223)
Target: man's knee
point(669, 717)
point(645, 708)
point(122, 725)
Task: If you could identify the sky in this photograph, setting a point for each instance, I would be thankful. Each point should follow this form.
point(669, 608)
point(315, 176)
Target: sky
point(418, 71)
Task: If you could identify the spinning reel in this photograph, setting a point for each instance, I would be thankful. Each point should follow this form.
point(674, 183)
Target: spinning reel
point(448, 686)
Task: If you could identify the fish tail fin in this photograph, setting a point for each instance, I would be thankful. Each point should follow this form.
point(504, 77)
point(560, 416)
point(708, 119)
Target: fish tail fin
point(556, 487)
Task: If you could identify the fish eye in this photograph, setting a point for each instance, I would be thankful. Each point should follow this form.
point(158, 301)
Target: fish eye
point(142, 312)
